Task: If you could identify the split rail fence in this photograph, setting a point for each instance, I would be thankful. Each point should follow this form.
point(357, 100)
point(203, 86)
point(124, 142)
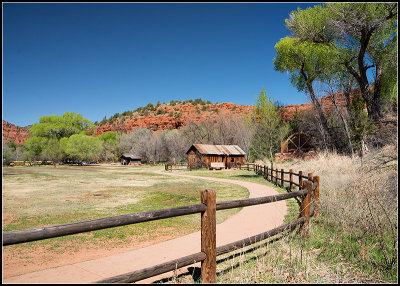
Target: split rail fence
point(308, 192)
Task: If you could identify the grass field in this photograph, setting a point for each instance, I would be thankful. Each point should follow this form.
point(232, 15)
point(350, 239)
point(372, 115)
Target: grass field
point(44, 195)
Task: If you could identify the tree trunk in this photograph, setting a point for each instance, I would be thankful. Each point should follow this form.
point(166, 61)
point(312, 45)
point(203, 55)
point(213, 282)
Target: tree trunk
point(321, 115)
point(333, 97)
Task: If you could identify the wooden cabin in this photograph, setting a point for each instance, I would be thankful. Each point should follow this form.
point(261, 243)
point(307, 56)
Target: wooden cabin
point(202, 155)
point(130, 159)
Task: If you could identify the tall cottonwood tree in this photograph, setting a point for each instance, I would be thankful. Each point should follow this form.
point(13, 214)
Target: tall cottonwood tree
point(306, 63)
point(364, 36)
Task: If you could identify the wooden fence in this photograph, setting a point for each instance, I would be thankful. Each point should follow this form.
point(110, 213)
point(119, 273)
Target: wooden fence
point(308, 189)
point(172, 166)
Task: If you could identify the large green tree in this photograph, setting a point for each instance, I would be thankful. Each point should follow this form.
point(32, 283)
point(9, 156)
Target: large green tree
point(364, 36)
point(54, 126)
point(81, 147)
point(307, 63)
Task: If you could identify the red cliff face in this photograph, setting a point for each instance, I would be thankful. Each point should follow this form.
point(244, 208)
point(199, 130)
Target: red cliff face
point(14, 133)
point(178, 116)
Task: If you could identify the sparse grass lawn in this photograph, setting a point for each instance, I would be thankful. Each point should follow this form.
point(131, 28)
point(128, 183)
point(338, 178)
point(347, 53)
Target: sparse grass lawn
point(44, 195)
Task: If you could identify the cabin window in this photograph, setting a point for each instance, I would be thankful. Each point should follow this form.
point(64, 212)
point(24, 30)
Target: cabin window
point(232, 159)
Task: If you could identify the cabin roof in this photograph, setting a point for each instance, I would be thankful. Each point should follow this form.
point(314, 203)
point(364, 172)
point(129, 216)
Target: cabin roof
point(131, 156)
point(208, 149)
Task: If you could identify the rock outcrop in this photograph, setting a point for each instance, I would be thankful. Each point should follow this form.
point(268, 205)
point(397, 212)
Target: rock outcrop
point(14, 133)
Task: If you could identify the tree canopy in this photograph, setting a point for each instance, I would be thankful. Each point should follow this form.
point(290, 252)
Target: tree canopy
point(60, 126)
point(364, 36)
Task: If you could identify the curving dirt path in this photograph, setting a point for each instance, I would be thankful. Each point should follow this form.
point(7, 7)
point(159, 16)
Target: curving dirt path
point(248, 222)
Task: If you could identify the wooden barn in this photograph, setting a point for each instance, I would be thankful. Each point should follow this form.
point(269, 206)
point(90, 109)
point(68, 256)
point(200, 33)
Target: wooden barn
point(202, 155)
point(128, 159)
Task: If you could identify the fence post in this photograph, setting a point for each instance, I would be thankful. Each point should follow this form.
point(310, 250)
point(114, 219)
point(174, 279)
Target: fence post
point(267, 173)
point(316, 194)
point(291, 179)
point(276, 176)
point(282, 176)
point(305, 208)
point(208, 237)
point(300, 180)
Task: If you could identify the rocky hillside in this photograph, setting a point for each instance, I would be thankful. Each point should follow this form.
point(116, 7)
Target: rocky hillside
point(173, 117)
point(167, 116)
point(14, 133)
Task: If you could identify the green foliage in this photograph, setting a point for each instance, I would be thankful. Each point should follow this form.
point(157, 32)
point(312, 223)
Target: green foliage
point(294, 123)
point(361, 124)
point(52, 150)
point(109, 137)
point(34, 146)
point(270, 130)
point(54, 126)
point(364, 36)
point(82, 147)
point(304, 60)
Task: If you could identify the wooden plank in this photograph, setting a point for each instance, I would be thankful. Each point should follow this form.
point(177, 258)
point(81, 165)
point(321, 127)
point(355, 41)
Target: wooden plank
point(209, 237)
point(33, 234)
point(300, 180)
point(259, 237)
point(257, 201)
point(316, 193)
point(161, 268)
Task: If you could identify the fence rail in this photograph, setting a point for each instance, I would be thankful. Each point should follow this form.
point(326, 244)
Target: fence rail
point(308, 192)
point(173, 166)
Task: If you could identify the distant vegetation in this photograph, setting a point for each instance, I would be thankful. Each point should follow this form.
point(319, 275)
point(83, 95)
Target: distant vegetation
point(154, 109)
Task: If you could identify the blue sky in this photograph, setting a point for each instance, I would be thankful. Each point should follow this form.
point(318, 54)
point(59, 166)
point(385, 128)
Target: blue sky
point(100, 59)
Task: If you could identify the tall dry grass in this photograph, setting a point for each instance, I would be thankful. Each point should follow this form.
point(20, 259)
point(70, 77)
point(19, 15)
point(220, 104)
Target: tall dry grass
point(359, 204)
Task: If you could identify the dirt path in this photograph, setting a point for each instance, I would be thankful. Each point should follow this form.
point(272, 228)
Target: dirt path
point(249, 221)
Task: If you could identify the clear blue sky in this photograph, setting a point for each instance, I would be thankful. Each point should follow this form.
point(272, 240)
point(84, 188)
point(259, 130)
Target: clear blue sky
point(100, 59)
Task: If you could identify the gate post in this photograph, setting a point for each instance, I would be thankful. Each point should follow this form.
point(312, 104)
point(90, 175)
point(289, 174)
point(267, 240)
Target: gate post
point(209, 237)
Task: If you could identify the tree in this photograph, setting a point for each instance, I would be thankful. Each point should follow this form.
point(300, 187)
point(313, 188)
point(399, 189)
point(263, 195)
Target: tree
point(364, 36)
point(80, 147)
point(306, 63)
point(34, 146)
point(53, 151)
point(55, 126)
point(271, 130)
point(109, 142)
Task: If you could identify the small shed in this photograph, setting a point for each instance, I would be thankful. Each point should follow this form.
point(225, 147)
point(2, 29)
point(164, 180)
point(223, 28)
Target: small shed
point(202, 155)
point(128, 159)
